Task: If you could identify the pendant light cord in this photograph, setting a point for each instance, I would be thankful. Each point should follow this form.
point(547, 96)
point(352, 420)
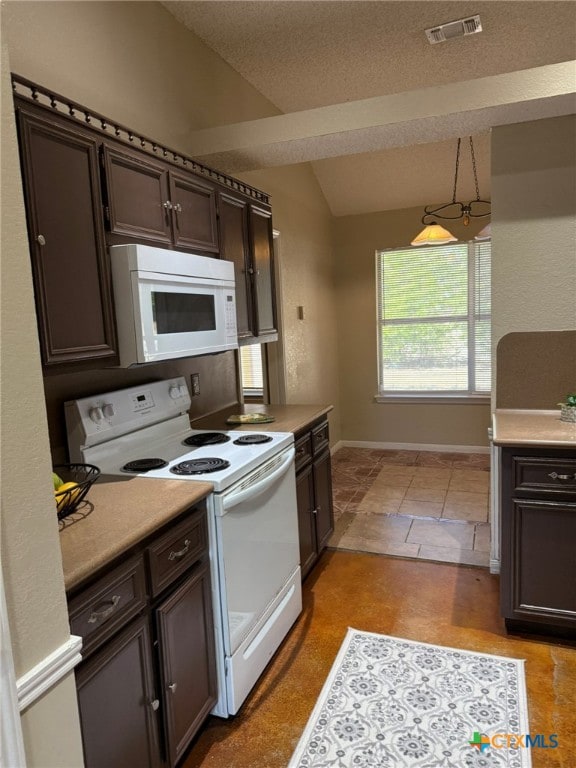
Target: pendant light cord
point(458, 168)
point(456, 172)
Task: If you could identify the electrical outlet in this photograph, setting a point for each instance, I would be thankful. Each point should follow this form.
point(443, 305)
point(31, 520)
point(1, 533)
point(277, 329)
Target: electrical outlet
point(195, 378)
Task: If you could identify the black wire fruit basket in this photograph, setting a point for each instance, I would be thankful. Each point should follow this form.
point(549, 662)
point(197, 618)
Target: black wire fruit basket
point(76, 482)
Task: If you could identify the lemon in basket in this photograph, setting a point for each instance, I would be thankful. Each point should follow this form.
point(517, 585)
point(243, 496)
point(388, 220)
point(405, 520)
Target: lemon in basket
point(66, 495)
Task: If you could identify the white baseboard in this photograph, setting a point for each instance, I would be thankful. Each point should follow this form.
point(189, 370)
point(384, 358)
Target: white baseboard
point(411, 447)
point(48, 672)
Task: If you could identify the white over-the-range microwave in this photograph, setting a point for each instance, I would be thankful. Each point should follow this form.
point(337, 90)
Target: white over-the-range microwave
point(171, 304)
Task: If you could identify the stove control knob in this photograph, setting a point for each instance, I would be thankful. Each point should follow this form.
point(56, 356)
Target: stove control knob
point(174, 392)
point(96, 414)
point(108, 410)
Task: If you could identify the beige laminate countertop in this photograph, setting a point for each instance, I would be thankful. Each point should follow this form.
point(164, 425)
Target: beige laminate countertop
point(123, 511)
point(287, 418)
point(532, 427)
point(120, 512)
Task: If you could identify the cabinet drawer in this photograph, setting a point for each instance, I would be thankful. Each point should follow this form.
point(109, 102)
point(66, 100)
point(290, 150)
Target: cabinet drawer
point(320, 438)
point(106, 606)
point(177, 550)
point(303, 448)
point(557, 475)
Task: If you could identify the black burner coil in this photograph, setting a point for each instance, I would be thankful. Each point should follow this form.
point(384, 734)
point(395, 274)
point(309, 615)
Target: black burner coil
point(252, 439)
point(199, 466)
point(207, 438)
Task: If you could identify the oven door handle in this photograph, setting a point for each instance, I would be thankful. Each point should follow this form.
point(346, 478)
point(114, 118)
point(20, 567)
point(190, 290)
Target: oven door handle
point(252, 491)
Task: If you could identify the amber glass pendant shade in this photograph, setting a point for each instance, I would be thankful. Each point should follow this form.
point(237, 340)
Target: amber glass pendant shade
point(434, 234)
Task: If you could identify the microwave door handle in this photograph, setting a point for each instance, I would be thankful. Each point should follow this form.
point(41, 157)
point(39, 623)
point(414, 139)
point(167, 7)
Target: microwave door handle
point(251, 492)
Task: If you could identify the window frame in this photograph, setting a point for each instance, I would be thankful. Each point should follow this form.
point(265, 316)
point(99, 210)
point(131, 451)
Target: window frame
point(472, 317)
point(249, 393)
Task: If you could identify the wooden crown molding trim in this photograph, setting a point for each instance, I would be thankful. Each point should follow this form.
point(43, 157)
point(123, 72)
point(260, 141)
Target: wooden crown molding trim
point(50, 100)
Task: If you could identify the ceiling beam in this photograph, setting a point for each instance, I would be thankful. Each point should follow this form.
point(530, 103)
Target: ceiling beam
point(369, 125)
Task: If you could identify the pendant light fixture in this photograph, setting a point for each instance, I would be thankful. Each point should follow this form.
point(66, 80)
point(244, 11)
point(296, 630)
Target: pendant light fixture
point(433, 233)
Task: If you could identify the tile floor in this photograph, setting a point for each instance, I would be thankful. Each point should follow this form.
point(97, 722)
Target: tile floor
point(417, 504)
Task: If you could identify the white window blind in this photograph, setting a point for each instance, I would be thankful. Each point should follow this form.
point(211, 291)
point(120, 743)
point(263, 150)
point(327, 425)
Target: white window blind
point(434, 319)
point(251, 370)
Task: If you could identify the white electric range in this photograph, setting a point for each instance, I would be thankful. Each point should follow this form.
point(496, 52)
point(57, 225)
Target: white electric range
point(252, 518)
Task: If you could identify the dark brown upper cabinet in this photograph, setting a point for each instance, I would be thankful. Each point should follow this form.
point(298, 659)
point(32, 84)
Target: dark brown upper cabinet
point(233, 212)
point(67, 243)
point(149, 201)
point(262, 271)
point(247, 240)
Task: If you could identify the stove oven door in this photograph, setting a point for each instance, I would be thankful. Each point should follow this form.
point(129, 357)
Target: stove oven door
point(258, 559)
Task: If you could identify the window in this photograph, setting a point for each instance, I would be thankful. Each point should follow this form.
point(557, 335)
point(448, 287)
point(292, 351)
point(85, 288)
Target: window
point(434, 320)
point(251, 370)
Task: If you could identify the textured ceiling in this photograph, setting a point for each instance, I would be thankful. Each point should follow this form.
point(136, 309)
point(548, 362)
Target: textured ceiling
point(304, 54)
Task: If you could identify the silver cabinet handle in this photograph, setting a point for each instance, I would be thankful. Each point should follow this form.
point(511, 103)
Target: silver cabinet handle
point(173, 687)
point(155, 704)
point(556, 476)
point(41, 240)
point(177, 207)
point(167, 205)
point(99, 615)
point(181, 552)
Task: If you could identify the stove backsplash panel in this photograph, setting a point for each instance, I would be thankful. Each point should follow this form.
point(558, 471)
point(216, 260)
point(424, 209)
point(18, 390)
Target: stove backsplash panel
point(217, 377)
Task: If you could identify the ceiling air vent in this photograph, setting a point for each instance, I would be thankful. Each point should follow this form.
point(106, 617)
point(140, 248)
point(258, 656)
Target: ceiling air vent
point(453, 29)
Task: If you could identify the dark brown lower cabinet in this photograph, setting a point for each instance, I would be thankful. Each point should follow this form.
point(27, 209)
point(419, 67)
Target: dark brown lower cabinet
point(306, 520)
point(148, 681)
point(185, 638)
point(117, 702)
point(313, 493)
point(538, 571)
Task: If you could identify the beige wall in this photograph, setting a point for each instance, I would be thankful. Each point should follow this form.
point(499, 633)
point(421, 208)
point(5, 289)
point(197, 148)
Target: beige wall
point(534, 229)
point(132, 62)
point(30, 555)
point(357, 238)
point(306, 280)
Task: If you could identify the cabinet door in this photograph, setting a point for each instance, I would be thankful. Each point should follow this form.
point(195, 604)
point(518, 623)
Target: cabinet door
point(233, 214)
point(69, 260)
point(306, 519)
point(193, 213)
point(323, 490)
point(188, 671)
point(263, 271)
point(138, 197)
point(539, 583)
point(117, 703)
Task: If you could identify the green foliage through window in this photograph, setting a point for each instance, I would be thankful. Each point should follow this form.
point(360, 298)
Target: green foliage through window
point(434, 319)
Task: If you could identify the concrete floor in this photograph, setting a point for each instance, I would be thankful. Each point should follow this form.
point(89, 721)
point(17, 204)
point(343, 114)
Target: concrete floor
point(447, 604)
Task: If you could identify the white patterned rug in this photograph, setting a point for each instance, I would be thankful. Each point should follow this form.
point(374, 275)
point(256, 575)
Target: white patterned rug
point(393, 703)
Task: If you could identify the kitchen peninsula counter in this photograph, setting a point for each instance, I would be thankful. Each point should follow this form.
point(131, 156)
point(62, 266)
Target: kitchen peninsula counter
point(532, 428)
point(117, 514)
point(287, 418)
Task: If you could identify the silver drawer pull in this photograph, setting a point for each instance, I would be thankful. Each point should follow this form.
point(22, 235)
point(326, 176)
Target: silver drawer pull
point(556, 476)
point(181, 552)
point(155, 704)
point(173, 687)
point(99, 615)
